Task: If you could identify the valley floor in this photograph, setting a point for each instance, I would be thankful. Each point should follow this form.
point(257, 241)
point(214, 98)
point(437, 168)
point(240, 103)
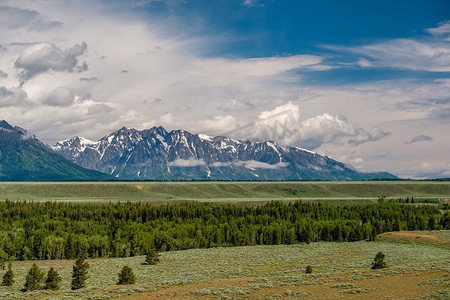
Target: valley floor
point(418, 268)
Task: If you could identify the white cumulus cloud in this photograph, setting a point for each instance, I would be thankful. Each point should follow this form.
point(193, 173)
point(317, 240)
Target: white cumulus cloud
point(41, 57)
point(326, 128)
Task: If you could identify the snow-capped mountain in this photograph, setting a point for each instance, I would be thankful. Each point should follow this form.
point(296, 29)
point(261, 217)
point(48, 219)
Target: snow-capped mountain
point(156, 154)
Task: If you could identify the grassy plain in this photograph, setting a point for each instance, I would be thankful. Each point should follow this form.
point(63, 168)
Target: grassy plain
point(416, 270)
point(419, 262)
point(163, 192)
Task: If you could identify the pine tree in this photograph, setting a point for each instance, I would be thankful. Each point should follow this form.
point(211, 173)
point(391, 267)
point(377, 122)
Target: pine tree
point(69, 251)
point(34, 278)
point(152, 257)
point(378, 262)
point(79, 274)
point(431, 223)
point(53, 280)
point(3, 259)
point(8, 278)
point(308, 269)
point(126, 276)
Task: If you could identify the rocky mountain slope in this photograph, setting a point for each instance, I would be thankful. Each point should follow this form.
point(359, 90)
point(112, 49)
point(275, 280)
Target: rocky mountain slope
point(156, 154)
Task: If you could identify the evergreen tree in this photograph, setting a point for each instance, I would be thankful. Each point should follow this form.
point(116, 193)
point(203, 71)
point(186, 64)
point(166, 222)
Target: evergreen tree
point(308, 269)
point(152, 257)
point(126, 276)
point(79, 274)
point(53, 280)
point(3, 259)
point(8, 278)
point(431, 223)
point(34, 278)
point(378, 262)
point(69, 250)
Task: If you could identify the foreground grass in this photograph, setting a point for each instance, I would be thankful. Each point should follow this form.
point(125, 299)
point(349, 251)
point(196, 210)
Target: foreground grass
point(341, 270)
point(163, 192)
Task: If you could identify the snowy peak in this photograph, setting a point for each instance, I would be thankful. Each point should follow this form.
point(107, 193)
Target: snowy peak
point(78, 143)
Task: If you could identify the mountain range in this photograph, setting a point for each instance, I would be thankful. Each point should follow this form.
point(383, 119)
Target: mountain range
point(157, 154)
point(24, 158)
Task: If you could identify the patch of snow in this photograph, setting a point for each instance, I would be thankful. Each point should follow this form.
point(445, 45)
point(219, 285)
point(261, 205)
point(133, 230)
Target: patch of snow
point(161, 139)
point(273, 146)
point(205, 137)
point(306, 150)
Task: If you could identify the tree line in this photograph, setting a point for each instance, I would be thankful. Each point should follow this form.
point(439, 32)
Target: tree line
point(51, 230)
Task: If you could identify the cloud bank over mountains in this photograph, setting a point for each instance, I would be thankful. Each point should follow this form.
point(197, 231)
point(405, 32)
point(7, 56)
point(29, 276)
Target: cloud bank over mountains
point(88, 67)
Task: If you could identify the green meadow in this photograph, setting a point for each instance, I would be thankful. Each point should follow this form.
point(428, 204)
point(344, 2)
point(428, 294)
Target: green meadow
point(237, 192)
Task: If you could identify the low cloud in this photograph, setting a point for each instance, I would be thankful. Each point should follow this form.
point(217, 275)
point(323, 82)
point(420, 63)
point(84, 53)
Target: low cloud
point(42, 57)
point(420, 138)
point(428, 170)
point(60, 96)
point(3, 74)
point(251, 164)
point(328, 129)
point(186, 163)
point(235, 105)
point(13, 17)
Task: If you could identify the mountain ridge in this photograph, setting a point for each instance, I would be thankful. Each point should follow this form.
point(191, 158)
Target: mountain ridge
point(157, 154)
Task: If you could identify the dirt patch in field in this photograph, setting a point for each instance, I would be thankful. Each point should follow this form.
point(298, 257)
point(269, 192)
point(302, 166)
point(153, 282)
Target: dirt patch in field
point(417, 236)
point(403, 286)
point(411, 236)
point(386, 287)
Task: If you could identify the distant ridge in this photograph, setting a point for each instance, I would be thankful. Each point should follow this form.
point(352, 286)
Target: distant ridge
point(156, 154)
point(24, 158)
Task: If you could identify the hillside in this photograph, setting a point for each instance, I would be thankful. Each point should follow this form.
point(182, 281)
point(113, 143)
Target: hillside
point(243, 192)
point(24, 158)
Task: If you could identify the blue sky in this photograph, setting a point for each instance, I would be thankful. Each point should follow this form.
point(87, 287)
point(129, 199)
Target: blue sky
point(270, 28)
point(261, 28)
point(367, 82)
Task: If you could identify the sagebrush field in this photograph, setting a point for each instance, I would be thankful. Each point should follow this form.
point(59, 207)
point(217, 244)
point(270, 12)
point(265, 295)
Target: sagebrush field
point(416, 270)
